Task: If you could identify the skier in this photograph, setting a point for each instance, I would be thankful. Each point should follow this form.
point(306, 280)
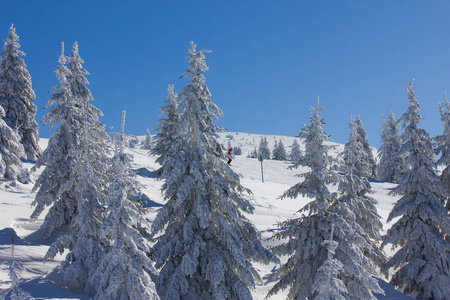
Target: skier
point(230, 156)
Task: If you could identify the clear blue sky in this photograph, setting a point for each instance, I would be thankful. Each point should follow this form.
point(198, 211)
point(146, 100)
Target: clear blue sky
point(270, 59)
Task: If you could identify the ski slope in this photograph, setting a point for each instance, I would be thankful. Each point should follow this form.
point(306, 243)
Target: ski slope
point(42, 281)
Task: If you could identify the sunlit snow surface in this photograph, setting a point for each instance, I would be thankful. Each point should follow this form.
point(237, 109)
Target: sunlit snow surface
point(42, 281)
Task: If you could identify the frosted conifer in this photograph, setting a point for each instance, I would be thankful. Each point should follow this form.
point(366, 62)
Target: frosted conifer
point(359, 237)
point(296, 154)
point(328, 286)
point(361, 135)
point(443, 147)
point(16, 95)
point(147, 141)
point(279, 153)
point(207, 246)
point(11, 151)
point(75, 175)
point(274, 149)
point(306, 234)
point(390, 167)
point(15, 292)
point(58, 162)
point(421, 264)
point(166, 128)
point(123, 273)
point(263, 150)
point(355, 190)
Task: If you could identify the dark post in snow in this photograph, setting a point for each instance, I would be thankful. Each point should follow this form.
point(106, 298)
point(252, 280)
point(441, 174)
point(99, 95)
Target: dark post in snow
point(261, 158)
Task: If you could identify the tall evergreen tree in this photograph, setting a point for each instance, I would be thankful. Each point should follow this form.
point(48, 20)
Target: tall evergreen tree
point(361, 135)
point(123, 272)
point(279, 153)
point(86, 184)
point(11, 151)
point(58, 162)
point(443, 147)
point(263, 150)
point(306, 234)
point(296, 154)
point(207, 246)
point(75, 176)
point(328, 286)
point(355, 189)
point(274, 150)
point(422, 263)
point(16, 95)
point(166, 128)
point(311, 261)
point(390, 167)
point(148, 141)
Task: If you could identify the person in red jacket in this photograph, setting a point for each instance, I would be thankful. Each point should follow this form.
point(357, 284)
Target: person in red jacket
point(230, 156)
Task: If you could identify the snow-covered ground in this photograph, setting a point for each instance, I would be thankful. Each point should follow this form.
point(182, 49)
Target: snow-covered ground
point(42, 281)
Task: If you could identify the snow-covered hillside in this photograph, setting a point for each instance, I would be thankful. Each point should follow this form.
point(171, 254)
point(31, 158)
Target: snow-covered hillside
point(42, 280)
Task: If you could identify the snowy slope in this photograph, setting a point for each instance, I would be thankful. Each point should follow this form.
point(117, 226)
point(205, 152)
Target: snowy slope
point(42, 280)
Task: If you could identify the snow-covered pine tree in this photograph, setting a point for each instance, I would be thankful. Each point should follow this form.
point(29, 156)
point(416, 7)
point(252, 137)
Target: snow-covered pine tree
point(279, 153)
point(75, 177)
point(296, 154)
point(274, 151)
point(443, 146)
point(15, 292)
point(87, 184)
point(165, 128)
point(208, 245)
point(327, 285)
point(123, 273)
point(64, 109)
point(361, 135)
point(148, 141)
point(16, 95)
point(357, 224)
point(355, 190)
point(422, 263)
point(263, 150)
point(11, 150)
point(390, 167)
point(306, 234)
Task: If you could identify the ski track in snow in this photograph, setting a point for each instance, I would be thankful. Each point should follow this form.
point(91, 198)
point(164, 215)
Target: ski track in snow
point(42, 280)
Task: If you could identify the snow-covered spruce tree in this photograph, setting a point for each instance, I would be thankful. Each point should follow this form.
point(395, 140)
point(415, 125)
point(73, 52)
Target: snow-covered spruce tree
point(11, 151)
point(207, 246)
point(75, 176)
point(360, 225)
point(443, 147)
point(361, 135)
point(306, 234)
point(64, 109)
point(390, 167)
point(15, 292)
point(275, 146)
point(422, 263)
point(355, 190)
point(86, 184)
point(327, 285)
point(123, 273)
point(279, 153)
point(16, 95)
point(263, 149)
point(166, 128)
point(296, 154)
point(148, 141)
